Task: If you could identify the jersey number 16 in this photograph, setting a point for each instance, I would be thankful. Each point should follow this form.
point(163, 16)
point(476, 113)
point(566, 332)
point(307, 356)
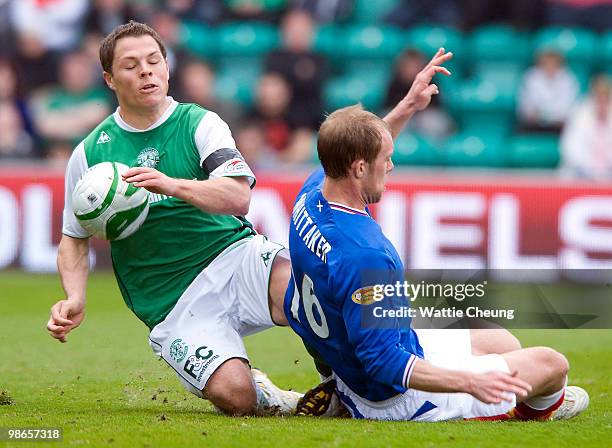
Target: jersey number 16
point(310, 303)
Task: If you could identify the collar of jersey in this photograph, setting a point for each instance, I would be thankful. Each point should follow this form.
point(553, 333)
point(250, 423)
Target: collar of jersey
point(161, 120)
point(346, 209)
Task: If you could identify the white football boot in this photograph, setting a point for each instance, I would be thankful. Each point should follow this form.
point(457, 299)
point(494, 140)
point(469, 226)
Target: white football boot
point(277, 400)
point(575, 401)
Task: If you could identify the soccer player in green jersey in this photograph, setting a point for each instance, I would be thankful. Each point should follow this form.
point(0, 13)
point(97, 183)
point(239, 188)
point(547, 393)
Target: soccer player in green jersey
point(196, 273)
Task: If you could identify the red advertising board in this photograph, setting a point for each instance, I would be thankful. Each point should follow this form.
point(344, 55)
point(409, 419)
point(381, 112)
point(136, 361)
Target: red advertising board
point(436, 220)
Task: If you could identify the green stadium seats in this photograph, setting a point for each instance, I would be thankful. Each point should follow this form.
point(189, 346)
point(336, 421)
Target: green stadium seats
point(413, 149)
point(246, 39)
point(534, 151)
point(583, 75)
point(240, 65)
point(237, 90)
point(347, 90)
point(498, 47)
point(500, 73)
point(428, 39)
point(198, 39)
point(577, 45)
point(369, 11)
point(483, 103)
point(606, 47)
point(328, 40)
point(238, 84)
point(372, 42)
point(265, 5)
point(475, 149)
point(377, 72)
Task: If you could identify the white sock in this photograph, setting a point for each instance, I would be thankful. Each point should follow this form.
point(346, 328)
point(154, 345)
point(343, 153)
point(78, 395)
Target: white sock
point(545, 401)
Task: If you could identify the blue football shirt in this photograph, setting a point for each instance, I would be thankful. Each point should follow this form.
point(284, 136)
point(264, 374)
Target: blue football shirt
point(334, 250)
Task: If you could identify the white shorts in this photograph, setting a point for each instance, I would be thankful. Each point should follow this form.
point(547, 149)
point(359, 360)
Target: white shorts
point(451, 349)
point(227, 301)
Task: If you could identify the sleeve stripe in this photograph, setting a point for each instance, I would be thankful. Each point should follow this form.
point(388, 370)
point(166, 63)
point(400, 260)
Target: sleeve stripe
point(219, 157)
point(408, 371)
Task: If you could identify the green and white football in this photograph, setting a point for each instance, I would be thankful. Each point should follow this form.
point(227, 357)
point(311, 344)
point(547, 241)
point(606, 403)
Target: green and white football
point(107, 206)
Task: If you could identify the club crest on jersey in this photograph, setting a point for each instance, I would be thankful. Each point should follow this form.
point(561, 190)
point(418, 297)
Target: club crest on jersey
point(364, 296)
point(104, 138)
point(148, 157)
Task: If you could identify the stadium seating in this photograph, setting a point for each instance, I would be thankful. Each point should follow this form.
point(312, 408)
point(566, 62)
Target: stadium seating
point(353, 88)
point(498, 48)
point(481, 148)
point(368, 11)
point(481, 95)
point(371, 48)
point(246, 39)
point(198, 39)
point(372, 42)
point(533, 151)
point(428, 39)
point(481, 103)
point(242, 46)
point(328, 40)
point(236, 82)
point(413, 149)
point(606, 48)
point(575, 44)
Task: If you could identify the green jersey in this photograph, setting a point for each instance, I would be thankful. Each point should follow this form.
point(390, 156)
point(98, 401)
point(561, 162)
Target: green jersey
point(155, 265)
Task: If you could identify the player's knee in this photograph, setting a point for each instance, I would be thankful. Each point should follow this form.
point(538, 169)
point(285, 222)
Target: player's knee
point(513, 343)
point(487, 341)
point(231, 390)
point(233, 397)
point(556, 362)
point(562, 365)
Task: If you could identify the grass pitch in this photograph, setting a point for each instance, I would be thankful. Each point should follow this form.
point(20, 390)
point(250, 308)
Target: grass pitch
point(106, 388)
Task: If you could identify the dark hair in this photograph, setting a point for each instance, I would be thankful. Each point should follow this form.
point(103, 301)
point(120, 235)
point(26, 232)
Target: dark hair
point(346, 135)
point(131, 29)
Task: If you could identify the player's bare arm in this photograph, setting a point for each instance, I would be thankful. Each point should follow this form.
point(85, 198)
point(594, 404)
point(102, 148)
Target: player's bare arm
point(73, 265)
point(491, 387)
point(420, 93)
point(226, 195)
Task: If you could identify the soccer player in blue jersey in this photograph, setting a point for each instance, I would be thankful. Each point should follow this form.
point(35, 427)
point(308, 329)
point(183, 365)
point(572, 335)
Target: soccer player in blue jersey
point(392, 372)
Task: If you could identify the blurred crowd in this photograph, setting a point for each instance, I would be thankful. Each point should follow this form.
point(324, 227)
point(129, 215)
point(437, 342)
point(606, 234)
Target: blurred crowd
point(52, 93)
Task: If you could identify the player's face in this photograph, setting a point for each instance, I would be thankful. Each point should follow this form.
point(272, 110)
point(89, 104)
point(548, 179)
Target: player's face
point(375, 178)
point(140, 73)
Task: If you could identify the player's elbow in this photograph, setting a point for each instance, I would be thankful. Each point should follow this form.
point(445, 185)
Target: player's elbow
point(242, 206)
point(241, 201)
point(372, 365)
point(374, 370)
point(377, 364)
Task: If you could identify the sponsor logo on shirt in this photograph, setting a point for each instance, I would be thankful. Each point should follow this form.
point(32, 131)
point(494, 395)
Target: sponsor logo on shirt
point(364, 296)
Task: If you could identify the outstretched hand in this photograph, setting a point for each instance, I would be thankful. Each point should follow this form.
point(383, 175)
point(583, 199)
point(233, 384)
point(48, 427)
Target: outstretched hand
point(421, 91)
point(66, 315)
